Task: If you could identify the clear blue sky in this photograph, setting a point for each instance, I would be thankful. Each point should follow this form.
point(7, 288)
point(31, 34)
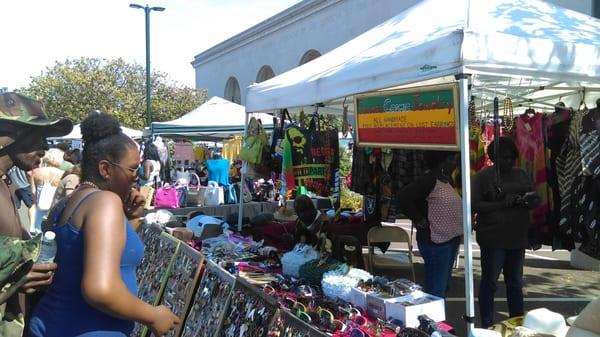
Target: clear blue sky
point(37, 33)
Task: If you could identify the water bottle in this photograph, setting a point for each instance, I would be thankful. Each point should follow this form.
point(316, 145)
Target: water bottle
point(48, 251)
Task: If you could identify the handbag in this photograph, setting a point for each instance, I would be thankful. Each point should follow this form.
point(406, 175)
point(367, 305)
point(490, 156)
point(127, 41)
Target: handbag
point(279, 134)
point(214, 195)
point(166, 197)
point(182, 195)
point(196, 193)
point(252, 148)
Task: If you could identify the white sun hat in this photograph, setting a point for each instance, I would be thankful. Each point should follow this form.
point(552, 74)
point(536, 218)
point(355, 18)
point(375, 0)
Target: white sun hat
point(546, 321)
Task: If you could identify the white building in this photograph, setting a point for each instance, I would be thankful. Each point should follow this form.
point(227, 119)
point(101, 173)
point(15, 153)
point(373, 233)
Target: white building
point(299, 34)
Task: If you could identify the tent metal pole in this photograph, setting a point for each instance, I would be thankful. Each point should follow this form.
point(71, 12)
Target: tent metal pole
point(539, 100)
point(242, 181)
point(463, 86)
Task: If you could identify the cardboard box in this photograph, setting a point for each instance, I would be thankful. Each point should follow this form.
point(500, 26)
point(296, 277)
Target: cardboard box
point(376, 305)
point(359, 297)
point(430, 305)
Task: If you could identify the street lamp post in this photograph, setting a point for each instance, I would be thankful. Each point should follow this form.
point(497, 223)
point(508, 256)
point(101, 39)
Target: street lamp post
point(147, 11)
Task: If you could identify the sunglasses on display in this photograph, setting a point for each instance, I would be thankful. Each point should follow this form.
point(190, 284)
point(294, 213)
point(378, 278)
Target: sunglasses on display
point(298, 309)
point(352, 312)
point(305, 291)
point(269, 290)
point(354, 332)
point(327, 319)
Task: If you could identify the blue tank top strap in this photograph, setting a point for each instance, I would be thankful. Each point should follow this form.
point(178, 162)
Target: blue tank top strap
point(79, 204)
point(58, 210)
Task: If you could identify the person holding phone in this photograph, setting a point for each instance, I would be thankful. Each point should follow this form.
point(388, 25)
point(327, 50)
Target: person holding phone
point(502, 196)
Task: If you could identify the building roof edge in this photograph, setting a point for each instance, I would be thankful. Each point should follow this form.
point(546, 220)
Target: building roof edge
point(279, 21)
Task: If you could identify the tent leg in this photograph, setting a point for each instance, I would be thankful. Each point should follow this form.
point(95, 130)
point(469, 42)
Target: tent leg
point(463, 85)
point(241, 208)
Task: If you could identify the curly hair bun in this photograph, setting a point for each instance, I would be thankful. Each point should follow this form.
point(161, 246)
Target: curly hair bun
point(99, 125)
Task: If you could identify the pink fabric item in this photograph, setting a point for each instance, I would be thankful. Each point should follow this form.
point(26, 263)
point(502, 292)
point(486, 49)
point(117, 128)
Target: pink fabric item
point(532, 159)
point(444, 213)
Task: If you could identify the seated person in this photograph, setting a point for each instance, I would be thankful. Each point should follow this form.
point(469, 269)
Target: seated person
point(325, 241)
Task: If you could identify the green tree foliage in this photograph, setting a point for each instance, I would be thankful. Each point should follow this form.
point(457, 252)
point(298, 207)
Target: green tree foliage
point(75, 87)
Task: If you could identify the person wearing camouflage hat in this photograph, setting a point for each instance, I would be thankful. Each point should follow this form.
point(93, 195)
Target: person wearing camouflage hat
point(23, 130)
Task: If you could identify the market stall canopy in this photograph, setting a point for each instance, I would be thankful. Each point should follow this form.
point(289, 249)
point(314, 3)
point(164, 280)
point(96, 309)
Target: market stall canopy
point(216, 118)
point(76, 133)
point(491, 39)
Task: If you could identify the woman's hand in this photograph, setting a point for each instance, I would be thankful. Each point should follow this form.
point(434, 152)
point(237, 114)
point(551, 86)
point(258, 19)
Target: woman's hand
point(164, 321)
point(39, 276)
point(134, 205)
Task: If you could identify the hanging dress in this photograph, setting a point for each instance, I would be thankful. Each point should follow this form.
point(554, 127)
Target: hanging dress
point(558, 132)
point(570, 178)
point(532, 159)
point(588, 230)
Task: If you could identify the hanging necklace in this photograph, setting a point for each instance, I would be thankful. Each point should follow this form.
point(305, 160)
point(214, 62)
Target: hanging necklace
point(89, 184)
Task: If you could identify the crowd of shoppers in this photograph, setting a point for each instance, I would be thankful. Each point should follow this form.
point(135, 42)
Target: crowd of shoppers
point(90, 199)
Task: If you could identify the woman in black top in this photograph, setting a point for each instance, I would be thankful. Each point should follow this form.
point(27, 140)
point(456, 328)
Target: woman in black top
point(501, 200)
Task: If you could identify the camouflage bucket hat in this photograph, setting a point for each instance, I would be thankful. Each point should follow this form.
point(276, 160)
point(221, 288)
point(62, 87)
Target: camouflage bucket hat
point(16, 258)
point(16, 109)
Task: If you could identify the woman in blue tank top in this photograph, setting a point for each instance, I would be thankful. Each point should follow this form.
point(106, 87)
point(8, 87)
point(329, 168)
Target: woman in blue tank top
point(94, 290)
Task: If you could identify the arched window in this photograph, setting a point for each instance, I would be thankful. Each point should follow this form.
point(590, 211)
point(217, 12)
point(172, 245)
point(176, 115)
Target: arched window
point(309, 56)
point(232, 91)
point(265, 73)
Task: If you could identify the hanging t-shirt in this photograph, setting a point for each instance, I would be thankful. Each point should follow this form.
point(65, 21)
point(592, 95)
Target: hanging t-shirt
point(183, 152)
point(218, 170)
point(311, 160)
point(200, 153)
point(232, 148)
point(361, 171)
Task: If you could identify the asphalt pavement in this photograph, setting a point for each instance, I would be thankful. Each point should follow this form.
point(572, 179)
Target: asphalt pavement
point(549, 282)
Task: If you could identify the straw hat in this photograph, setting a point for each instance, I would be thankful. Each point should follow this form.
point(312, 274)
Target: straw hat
point(546, 321)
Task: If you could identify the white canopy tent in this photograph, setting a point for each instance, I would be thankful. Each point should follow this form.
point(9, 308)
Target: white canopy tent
point(76, 133)
point(507, 44)
point(531, 50)
point(217, 118)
